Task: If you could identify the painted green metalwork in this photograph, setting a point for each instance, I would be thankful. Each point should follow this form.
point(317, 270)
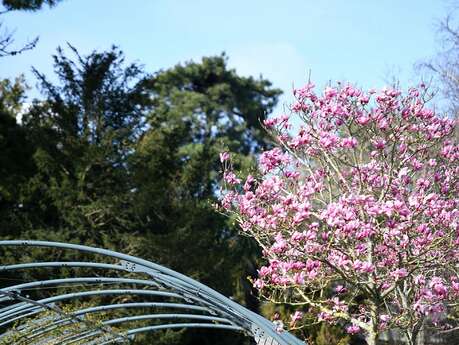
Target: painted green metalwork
point(204, 307)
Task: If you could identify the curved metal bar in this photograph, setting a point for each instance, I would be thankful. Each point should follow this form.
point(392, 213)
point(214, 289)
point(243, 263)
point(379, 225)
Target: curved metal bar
point(166, 316)
point(141, 305)
point(33, 311)
point(38, 332)
point(59, 282)
point(62, 264)
point(24, 309)
point(178, 325)
point(161, 327)
point(258, 326)
point(120, 306)
point(200, 288)
point(54, 264)
point(189, 292)
point(93, 280)
point(12, 306)
point(103, 328)
point(124, 266)
point(15, 311)
point(145, 317)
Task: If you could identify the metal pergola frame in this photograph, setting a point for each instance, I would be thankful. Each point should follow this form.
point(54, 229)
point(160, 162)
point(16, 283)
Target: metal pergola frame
point(204, 307)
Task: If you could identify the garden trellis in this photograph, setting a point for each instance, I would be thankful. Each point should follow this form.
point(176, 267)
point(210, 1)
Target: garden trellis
point(161, 296)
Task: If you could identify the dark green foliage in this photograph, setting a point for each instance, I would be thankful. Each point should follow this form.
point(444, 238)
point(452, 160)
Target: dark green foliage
point(16, 165)
point(28, 5)
point(331, 335)
point(199, 109)
point(7, 36)
point(83, 133)
point(214, 103)
point(115, 158)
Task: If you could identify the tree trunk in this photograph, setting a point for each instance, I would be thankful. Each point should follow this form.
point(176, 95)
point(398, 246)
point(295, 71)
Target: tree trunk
point(416, 335)
point(371, 338)
point(373, 333)
point(421, 336)
point(411, 338)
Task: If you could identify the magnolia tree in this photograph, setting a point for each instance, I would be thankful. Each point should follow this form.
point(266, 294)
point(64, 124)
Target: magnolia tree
point(356, 210)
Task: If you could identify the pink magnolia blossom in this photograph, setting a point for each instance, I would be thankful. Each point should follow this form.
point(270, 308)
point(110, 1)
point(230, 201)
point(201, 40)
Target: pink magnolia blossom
point(362, 200)
point(384, 317)
point(297, 316)
point(224, 156)
point(353, 329)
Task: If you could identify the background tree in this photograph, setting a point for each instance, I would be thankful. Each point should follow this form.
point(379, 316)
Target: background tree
point(444, 67)
point(199, 108)
point(16, 165)
point(82, 134)
point(7, 36)
point(28, 5)
point(127, 161)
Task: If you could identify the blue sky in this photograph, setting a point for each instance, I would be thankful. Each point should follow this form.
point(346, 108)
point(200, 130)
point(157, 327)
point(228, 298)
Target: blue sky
point(362, 41)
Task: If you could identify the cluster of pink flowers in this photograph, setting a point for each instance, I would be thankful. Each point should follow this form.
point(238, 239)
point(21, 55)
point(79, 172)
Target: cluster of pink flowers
point(361, 203)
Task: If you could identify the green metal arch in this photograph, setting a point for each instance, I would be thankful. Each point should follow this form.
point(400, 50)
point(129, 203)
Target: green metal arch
point(200, 303)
